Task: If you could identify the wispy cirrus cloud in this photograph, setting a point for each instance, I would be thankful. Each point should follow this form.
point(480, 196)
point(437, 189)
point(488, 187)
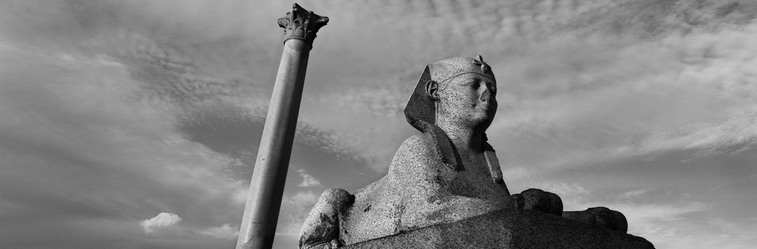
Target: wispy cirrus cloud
point(224, 231)
point(678, 89)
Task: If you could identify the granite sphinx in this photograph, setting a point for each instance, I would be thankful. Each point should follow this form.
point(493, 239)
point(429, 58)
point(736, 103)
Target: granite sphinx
point(445, 174)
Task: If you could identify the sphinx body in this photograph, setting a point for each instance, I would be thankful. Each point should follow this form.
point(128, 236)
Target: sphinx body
point(447, 173)
point(419, 191)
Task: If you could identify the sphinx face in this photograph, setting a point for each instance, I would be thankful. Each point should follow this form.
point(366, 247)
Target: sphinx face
point(468, 100)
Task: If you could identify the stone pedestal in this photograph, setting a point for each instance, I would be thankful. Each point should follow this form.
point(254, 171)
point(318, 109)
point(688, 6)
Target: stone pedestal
point(510, 229)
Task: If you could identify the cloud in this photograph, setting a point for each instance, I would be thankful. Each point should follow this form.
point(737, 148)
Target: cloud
point(655, 219)
point(294, 210)
point(132, 125)
point(635, 193)
point(677, 91)
point(75, 123)
point(224, 231)
point(680, 211)
point(307, 180)
point(596, 73)
point(160, 221)
point(303, 198)
point(170, 222)
point(686, 225)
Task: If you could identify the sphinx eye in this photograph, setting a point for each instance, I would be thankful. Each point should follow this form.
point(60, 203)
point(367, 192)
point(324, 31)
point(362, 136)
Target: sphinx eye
point(475, 84)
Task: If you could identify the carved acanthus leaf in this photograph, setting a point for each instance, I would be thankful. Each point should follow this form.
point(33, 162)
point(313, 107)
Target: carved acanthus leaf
point(301, 24)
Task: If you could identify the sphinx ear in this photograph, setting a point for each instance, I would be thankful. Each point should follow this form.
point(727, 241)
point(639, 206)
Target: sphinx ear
point(432, 89)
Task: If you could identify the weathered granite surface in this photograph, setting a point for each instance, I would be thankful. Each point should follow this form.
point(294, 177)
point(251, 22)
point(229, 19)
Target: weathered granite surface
point(510, 229)
point(330, 206)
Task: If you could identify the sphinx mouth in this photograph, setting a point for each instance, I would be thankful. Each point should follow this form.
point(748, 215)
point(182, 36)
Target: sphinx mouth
point(486, 108)
point(485, 105)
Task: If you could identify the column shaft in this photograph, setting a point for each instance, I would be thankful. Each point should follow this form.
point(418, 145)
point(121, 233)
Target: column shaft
point(268, 178)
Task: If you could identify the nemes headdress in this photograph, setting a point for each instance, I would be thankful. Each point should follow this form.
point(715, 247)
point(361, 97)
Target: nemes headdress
point(421, 109)
point(444, 70)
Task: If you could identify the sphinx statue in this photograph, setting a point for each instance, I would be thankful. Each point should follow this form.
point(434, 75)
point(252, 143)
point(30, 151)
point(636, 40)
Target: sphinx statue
point(446, 173)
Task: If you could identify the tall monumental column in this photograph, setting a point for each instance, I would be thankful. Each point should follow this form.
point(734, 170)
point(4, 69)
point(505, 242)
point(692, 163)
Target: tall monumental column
point(261, 211)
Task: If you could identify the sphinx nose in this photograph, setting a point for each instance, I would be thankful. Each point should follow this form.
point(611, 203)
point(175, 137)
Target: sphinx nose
point(485, 95)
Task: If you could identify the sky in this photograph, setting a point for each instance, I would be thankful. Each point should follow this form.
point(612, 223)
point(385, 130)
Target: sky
point(135, 124)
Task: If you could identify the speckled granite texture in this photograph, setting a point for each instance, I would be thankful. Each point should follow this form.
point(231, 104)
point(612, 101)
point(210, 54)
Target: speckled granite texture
point(511, 229)
point(420, 191)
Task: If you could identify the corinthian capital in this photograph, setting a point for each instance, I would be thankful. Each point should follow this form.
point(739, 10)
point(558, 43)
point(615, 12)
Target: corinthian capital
point(301, 24)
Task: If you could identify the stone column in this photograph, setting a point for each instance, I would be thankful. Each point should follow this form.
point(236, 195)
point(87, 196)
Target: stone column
point(261, 211)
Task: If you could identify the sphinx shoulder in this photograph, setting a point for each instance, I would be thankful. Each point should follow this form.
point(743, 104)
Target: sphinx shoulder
point(415, 156)
point(417, 145)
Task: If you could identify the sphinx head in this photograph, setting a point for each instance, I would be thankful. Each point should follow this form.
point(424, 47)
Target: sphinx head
point(457, 91)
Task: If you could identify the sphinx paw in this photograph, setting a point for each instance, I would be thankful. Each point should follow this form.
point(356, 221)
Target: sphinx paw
point(321, 228)
point(600, 216)
point(540, 200)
